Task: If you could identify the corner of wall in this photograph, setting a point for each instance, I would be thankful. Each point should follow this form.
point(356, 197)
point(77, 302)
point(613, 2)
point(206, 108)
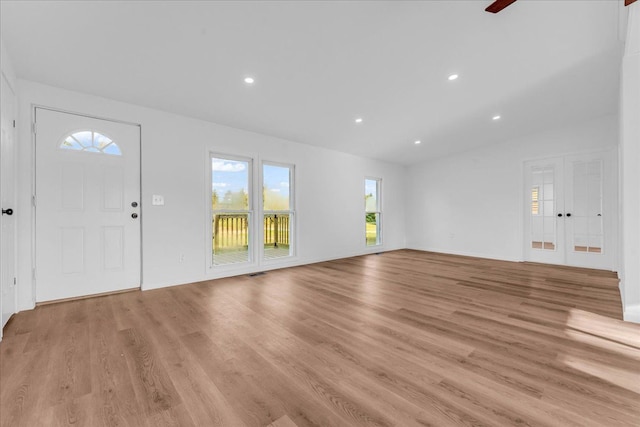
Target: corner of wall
point(632, 313)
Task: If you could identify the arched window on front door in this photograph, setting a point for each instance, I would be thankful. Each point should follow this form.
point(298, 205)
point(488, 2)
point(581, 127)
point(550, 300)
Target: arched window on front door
point(92, 142)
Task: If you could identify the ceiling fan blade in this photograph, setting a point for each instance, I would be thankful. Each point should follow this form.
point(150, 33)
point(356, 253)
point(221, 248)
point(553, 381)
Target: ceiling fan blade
point(628, 2)
point(498, 5)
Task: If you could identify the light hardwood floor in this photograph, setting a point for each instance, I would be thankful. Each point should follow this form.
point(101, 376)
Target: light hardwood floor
point(405, 338)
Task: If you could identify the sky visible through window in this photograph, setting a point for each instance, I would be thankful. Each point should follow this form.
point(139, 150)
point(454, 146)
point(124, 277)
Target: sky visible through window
point(231, 177)
point(371, 193)
point(276, 179)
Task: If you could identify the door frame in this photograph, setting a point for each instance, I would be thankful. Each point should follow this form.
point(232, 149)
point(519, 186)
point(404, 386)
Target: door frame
point(15, 199)
point(613, 156)
point(34, 108)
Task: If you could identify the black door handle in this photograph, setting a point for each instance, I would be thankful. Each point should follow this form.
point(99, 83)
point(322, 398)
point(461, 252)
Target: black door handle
point(559, 214)
point(7, 211)
point(134, 215)
point(568, 214)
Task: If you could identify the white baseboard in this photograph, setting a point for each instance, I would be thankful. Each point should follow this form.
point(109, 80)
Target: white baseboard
point(289, 262)
point(632, 313)
point(464, 253)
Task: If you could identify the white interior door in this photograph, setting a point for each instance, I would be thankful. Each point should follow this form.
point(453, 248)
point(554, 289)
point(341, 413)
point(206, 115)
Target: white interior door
point(87, 205)
point(570, 210)
point(590, 210)
point(7, 200)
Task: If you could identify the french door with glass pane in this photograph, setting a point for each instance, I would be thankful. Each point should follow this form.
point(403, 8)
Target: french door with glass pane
point(570, 210)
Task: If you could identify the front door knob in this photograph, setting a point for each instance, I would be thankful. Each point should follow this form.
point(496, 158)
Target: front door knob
point(134, 215)
point(7, 211)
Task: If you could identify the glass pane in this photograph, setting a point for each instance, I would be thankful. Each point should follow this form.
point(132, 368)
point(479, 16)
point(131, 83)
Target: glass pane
point(595, 244)
point(277, 232)
point(549, 242)
point(537, 176)
point(100, 141)
point(229, 184)
point(549, 225)
point(112, 149)
point(85, 138)
point(537, 227)
point(371, 195)
point(89, 141)
point(580, 243)
point(373, 229)
point(70, 144)
point(275, 188)
point(230, 238)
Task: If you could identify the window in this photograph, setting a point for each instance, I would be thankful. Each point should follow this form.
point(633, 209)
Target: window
point(231, 210)
point(277, 206)
point(535, 201)
point(372, 211)
point(92, 142)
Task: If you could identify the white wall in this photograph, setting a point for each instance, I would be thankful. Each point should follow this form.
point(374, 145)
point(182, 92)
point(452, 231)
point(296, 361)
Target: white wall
point(329, 189)
point(6, 65)
point(471, 203)
point(630, 168)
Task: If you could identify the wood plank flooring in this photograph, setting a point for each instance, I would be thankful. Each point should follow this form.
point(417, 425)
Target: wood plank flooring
point(405, 338)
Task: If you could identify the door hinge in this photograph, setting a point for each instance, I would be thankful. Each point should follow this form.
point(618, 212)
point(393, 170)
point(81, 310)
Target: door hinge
point(33, 127)
point(14, 123)
point(33, 274)
point(33, 201)
point(14, 281)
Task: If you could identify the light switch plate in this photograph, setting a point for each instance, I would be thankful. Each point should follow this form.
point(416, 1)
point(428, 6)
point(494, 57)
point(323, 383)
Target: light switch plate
point(157, 200)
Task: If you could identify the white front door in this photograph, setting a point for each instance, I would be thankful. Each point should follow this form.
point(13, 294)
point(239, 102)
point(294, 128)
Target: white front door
point(7, 200)
point(570, 210)
point(87, 205)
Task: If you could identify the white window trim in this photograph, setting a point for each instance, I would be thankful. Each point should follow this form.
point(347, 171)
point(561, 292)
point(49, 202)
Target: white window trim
point(291, 212)
point(378, 211)
point(252, 222)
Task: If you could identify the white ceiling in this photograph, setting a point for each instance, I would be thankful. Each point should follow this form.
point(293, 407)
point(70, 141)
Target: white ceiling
point(320, 64)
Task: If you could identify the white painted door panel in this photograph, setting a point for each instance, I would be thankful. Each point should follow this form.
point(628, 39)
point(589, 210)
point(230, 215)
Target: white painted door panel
point(7, 200)
point(87, 194)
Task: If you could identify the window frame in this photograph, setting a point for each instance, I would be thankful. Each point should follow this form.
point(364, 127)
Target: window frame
point(291, 211)
point(250, 213)
point(378, 211)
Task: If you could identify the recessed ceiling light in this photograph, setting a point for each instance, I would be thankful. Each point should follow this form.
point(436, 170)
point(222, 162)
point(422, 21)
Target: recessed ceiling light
point(496, 117)
point(417, 141)
point(249, 80)
point(453, 76)
point(358, 120)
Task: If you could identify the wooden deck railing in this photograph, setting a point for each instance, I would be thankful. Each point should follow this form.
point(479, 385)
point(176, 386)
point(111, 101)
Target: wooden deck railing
point(232, 230)
point(276, 229)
